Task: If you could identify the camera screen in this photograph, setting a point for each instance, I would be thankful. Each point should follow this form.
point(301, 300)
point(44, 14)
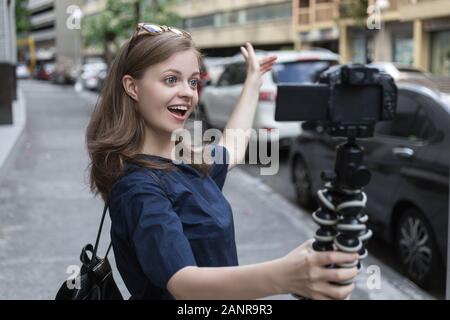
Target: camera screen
point(356, 104)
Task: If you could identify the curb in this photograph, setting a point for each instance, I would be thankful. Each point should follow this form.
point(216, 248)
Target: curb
point(12, 135)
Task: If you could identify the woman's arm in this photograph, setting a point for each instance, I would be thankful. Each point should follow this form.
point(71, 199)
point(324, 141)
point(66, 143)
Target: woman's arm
point(246, 282)
point(237, 132)
point(303, 271)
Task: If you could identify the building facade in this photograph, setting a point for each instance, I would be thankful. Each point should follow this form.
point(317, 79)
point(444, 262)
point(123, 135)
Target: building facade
point(55, 29)
point(221, 27)
point(407, 32)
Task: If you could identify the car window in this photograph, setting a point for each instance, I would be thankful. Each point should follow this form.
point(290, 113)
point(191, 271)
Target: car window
point(424, 127)
point(224, 79)
point(234, 74)
point(403, 124)
point(239, 73)
point(299, 71)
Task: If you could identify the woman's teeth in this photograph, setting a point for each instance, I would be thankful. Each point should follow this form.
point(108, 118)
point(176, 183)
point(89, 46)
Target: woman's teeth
point(179, 110)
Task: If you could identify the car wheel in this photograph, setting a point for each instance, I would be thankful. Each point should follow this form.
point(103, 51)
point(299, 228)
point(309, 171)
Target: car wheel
point(417, 249)
point(302, 183)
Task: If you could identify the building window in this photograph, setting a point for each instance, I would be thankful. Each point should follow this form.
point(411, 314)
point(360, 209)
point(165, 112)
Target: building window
point(440, 53)
point(199, 22)
point(277, 11)
point(403, 50)
point(236, 17)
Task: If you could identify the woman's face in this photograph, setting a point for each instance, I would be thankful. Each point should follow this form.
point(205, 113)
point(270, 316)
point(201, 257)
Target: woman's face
point(167, 93)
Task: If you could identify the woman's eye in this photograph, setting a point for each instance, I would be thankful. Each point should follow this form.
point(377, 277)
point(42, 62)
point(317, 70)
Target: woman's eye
point(194, 82)
point(171, 80)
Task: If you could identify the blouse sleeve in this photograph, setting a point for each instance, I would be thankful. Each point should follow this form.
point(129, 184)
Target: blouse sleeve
point(156, 231)
point(219, 168)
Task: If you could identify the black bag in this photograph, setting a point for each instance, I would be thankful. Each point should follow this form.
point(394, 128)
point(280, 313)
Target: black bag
point(96, 280)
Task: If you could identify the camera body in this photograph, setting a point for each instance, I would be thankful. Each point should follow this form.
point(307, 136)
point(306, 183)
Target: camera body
point(348, 100)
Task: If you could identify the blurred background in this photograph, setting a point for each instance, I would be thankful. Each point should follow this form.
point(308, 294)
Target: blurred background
point(54, 57)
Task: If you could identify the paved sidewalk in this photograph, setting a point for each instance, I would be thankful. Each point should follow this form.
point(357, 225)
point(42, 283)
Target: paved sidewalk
point(47, 212)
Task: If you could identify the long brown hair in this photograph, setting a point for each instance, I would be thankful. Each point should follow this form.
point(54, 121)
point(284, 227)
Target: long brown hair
point(116, 131)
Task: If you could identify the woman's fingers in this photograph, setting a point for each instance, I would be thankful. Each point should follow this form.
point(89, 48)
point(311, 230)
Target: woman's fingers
point(325, 290)
point(338, 274)
point(263, 65)
point(334, 257)
point(268, 59)
point(250, 49)
point(337, 292)
point(244, 52)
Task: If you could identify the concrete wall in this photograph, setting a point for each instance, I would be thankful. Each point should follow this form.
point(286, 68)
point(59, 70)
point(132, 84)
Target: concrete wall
point(68, 39)
point(7, 60)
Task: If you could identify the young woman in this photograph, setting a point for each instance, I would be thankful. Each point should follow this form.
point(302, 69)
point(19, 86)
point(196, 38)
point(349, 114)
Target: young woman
point(172, 228)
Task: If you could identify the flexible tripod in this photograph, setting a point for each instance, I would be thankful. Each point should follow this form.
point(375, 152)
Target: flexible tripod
point(340, 214)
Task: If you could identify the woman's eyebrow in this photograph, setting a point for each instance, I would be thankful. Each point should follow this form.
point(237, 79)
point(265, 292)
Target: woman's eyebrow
point(179, 72)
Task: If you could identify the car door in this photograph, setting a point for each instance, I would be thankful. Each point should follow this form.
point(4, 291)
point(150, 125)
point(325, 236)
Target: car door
point(426, 183)
point(393, 151)
point(212, 98)
point(225, 95)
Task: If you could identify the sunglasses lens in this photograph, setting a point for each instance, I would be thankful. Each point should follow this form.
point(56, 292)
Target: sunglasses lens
point(152, 28)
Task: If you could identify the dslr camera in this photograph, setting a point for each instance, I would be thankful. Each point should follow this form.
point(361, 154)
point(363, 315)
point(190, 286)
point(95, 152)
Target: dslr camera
point(348, 100)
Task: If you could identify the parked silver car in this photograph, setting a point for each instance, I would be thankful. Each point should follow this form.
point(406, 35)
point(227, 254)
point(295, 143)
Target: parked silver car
point(92, 75)
point(219, 99)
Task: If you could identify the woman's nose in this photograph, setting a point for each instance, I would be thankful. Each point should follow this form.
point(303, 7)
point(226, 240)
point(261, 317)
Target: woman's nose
point(186, 90)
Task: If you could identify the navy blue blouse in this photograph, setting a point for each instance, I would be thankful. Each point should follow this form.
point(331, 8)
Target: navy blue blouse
point(157, 231)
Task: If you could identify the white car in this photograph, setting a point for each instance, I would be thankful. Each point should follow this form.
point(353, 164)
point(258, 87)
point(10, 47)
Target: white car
point(218, 100)
point(22, 71)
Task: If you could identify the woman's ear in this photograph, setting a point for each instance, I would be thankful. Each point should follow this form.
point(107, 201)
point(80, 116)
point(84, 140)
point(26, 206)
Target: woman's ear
point(130, 87)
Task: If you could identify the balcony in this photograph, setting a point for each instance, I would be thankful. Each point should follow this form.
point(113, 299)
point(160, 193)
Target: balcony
point(317, 13)
point(43, 19)
point(44, 35)
point(35, 5)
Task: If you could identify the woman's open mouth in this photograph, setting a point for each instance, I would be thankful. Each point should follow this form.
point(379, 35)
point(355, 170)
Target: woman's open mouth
point(179, 112)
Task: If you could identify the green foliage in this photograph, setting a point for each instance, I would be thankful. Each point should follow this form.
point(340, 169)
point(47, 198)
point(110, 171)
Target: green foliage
point(119, 19)
point(23, 24)
point(354, 9)
point(160, 13)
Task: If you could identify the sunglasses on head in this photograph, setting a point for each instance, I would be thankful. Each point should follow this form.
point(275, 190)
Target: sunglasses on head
point(155, 29)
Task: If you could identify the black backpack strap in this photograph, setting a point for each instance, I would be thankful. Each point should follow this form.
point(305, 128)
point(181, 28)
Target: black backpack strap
point(94, 254)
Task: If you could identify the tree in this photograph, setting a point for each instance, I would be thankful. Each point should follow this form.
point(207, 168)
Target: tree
point(23, 24)
point(354, 9)
point(119, 19)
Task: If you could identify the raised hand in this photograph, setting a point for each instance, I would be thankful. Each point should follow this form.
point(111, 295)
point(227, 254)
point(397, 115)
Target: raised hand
point(256, 67)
